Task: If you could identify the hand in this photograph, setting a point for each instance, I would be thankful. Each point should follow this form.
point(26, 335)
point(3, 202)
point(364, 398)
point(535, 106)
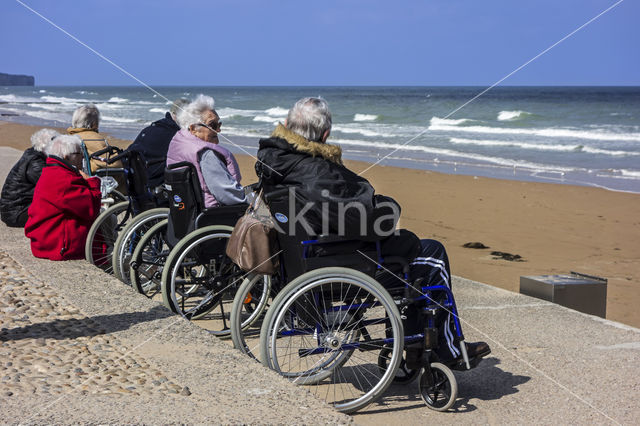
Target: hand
point(83, 174)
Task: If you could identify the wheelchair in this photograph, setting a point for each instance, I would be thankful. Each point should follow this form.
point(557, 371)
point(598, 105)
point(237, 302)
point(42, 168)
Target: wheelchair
point(106, 246)
point(337, 330)
point(183, 257)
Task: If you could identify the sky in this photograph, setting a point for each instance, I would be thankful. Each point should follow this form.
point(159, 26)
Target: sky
point(317, 43)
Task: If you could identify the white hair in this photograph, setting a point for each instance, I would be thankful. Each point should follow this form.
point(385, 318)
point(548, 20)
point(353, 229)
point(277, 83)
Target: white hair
point(64, 145)
point(86, 117)
point(177, 106)
point(42, 137)
point(310, 118)
point(192, 113)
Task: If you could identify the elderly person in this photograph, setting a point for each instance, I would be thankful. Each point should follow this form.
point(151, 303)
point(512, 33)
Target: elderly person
point(197, 143)
point(153, 142)
point(17, 191)
point(84, 124)
point(297, 155)
point(66, 201)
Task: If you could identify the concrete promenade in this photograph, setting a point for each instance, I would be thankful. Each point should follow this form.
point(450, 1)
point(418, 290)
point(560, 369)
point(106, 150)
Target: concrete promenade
point(76, 345)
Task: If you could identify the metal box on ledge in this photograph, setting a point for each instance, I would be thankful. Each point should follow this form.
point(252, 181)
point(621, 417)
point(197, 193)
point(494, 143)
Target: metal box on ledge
point(584, 293)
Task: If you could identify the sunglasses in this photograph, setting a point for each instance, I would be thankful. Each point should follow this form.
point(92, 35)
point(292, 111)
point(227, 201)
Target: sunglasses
point(214, 127)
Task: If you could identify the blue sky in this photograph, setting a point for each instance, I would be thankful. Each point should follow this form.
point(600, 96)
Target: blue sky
point(344, 42)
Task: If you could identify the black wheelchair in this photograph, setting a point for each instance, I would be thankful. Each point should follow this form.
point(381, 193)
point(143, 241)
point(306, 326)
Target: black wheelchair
point(105, 234)
point(334, 328)
point(183, 257)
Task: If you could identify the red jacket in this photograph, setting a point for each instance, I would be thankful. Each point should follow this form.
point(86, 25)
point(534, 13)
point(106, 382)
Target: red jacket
point(64, 207)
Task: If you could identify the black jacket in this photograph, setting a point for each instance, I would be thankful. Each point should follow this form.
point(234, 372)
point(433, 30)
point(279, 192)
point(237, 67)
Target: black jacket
point(320, 179)
point(17, 192)
point(153, 144)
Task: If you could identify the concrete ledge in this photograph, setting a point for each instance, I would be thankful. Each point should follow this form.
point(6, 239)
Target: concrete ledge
point(549, 364)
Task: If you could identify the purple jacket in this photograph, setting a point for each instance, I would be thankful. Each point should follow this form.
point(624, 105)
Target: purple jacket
point(186, 147)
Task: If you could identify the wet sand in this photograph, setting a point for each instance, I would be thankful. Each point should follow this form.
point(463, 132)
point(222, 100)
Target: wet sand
point(554, 228)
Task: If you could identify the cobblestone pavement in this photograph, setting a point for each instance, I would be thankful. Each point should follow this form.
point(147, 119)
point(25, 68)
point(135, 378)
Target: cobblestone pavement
point(49, 347)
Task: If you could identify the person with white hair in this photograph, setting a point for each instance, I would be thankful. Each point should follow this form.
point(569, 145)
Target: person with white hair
point(330, 198)
point(197, 143)
point(66, 201)
point(84, 124)
point(17, 191)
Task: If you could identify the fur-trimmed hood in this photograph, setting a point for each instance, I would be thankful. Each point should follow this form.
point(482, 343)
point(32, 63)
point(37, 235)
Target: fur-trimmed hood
point(327, 151)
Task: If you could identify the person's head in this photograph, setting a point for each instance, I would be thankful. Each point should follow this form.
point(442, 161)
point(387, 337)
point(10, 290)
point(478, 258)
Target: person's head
point(310, 118)
point(177, 106)
point(86, 117)
point(42, 137)
point(67, 147)
point(201, 119)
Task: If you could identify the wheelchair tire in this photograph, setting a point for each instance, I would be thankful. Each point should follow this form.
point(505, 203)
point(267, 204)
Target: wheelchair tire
point(102, 236)
point(129, 237)
point(322, 318)
point(439, 392)
point(249, 306)
point(148, 259)
point(199, 281)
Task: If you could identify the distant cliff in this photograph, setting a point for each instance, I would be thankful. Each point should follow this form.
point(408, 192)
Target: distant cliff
point(16, 80)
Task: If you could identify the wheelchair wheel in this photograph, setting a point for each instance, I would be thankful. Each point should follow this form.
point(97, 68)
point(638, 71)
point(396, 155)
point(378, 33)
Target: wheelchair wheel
point(129, 237)
point(148, 259)
point(326, 329)
point(199, 281)
point(102, 236)
point(249, 305)
point(438, 387)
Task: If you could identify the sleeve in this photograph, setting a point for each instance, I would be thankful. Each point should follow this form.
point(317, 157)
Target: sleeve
point(34, 170)
point(219, 181)
point(82, 198)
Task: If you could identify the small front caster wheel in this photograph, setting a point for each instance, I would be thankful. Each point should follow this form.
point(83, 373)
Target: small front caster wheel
point(438, 387)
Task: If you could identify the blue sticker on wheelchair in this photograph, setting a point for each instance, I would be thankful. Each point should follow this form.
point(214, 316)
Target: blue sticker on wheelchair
point(281, 218)
point(177, 199)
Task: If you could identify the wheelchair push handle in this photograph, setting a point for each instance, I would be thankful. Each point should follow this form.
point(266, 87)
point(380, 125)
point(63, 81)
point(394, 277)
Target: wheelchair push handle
point(110, 150)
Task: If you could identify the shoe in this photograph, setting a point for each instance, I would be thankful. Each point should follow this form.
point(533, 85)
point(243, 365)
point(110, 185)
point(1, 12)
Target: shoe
point(477, 350)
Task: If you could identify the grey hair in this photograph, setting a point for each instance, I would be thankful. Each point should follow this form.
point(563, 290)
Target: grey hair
point(64, 145)
point(192, 113)
point(177, 106)
point(86, 117)
point(310, 117)
point(42, 137)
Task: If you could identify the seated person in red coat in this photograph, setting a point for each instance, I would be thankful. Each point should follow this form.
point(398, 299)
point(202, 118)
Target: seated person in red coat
point(65, 203)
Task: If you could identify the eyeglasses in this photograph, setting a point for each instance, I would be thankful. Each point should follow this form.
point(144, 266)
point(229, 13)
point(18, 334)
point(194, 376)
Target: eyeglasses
point(214, 127)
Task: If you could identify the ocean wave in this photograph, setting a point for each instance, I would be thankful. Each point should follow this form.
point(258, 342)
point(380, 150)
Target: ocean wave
point(52, 116)
point(64, 100)
point(117, 100)
point(452, 153)
point(542, 147)
point(230, 112)
point(356, 130)
point(630, 173)
point(366, 117)
point(551, 132)
point(512, 115)
point(159, 110)
point(436, 121)
point(277, 112)
point(11, 98)
point(119, 119)
point(42, 91)
point(266, 119)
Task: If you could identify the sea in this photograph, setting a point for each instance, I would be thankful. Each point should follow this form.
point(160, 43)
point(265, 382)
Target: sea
point(568, 135)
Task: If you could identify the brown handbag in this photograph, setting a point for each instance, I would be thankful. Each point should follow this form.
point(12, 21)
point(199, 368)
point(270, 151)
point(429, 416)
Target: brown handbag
point(252, 243)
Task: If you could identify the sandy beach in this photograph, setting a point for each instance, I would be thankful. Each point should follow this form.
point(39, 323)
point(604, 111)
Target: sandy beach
point(554, 228)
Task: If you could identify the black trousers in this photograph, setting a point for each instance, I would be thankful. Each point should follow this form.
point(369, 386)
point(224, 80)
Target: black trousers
point(429, 261)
